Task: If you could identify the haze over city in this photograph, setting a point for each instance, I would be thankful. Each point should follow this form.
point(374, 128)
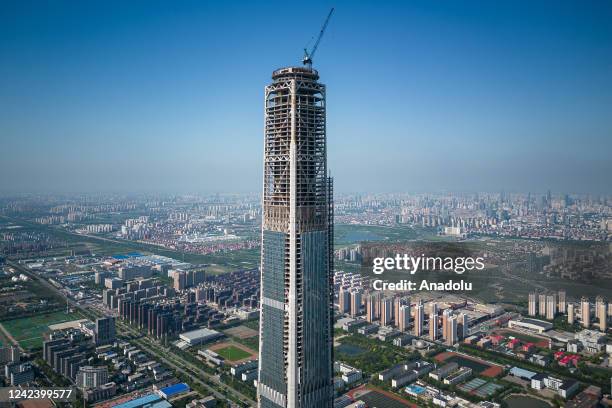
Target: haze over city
point(165, 97)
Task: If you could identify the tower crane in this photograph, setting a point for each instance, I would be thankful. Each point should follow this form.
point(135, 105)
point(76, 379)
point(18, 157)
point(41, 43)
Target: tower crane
point(308, 55)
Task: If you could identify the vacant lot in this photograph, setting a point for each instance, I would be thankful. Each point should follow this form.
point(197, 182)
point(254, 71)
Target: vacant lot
point(242, 332)
point(28, 331)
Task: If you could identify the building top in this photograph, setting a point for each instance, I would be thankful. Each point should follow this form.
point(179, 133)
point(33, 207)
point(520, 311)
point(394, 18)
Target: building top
point(199, 333)
point(291, 72)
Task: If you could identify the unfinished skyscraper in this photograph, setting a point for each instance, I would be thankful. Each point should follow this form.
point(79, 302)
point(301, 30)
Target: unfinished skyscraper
point(295, 353)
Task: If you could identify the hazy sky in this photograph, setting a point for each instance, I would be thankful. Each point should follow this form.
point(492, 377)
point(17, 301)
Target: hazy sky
point(168, 96)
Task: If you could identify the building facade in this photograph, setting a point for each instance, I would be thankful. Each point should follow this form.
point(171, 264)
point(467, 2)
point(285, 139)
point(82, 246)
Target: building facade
point(295, 350)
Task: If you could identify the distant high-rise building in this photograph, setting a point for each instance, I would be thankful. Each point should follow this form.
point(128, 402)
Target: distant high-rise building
point(344, 301)
point(562, 302)
point(585, 312)
point(601, 312)
point(551, 307)
point(433, 308)
point(533, 304)
point(355, 303)
point(403, 319)
point(462, 326)
point(295, 353)
point(371, 302)
point(180, 280)
point(603, 317)
point(105, 330)
point(542, 304)
point(433, 326)
point(386, 312)
point(450, 335)
point(377, 302)
point(570, 313)
point(398, 302)
point(419, 316)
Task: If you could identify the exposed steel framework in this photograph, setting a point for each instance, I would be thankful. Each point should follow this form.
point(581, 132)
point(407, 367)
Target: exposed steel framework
point(297, 232)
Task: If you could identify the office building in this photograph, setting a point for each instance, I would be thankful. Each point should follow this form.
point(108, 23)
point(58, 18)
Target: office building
point(295, 353)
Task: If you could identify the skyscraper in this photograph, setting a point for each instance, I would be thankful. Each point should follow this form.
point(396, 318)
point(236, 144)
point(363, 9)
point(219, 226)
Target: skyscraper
point(344, 301)
point(371, 302)
point(570, 313)
point(433, 326)
point(601, 313)
point(449, 327)
point(585, 312)
point(462, 326)
point(403, 318)
point(419, 315)
point(562, 302)
point(295, 360)
point(386, 312)
point(542, 304)
point(398, 302)
point(355, 303)
point(551, 307)
point(533, 304)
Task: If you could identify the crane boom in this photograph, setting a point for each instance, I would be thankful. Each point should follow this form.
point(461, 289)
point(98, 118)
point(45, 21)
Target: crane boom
point(307, 60)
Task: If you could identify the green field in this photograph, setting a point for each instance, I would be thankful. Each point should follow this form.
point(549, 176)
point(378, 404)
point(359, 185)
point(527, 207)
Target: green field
point(232, 353)
point(29, 330)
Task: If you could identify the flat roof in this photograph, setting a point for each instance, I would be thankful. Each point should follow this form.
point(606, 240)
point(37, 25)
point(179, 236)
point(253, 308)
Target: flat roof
point(200, 333)
point(138, 402)
point(536, 322)
point(520, 372)
point(175, 389)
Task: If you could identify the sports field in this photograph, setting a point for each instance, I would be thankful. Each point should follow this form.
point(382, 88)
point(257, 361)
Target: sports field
point(29, 330)
point(233, 352)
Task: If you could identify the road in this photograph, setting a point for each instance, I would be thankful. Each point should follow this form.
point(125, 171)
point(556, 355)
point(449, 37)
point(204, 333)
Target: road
point(179, 363)
point(172, 360)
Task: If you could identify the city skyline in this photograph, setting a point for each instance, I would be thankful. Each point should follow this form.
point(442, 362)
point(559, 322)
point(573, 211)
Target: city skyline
point(467, 97)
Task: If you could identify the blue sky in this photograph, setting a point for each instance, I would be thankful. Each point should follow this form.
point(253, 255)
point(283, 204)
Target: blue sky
point(422, 96)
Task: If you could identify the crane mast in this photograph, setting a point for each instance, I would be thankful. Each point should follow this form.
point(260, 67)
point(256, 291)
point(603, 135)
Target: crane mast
point(308, 55)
